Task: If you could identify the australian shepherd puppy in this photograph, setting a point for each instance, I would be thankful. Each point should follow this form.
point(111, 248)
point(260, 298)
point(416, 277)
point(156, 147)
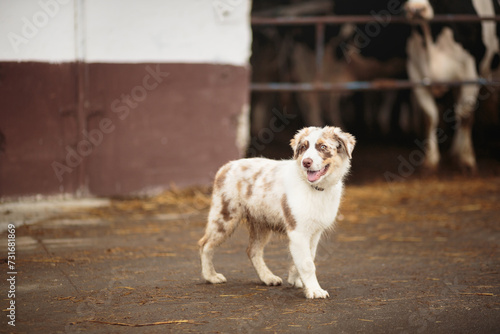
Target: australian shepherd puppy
point(299, 197)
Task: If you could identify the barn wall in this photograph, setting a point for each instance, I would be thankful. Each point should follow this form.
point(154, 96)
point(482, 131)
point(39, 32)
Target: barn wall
point(120, 97)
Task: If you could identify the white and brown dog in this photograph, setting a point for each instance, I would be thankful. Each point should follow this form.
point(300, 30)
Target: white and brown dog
point(299, 197)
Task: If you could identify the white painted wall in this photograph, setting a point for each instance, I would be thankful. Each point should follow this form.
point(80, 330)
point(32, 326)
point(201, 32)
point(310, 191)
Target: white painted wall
point(37, 30)
point(127, 31)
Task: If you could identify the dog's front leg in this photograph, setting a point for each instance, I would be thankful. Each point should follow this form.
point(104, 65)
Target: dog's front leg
point(314, 244)
point(294, 276)
point(300, 248)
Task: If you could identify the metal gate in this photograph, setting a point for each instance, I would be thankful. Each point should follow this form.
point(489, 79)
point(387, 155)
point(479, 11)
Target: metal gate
point(317, 86)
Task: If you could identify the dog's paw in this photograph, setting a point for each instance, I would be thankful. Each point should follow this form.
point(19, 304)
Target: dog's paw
point(294, 278)
point(316, 293)
point(216, 279)
point(296, 282)
point(273, 280)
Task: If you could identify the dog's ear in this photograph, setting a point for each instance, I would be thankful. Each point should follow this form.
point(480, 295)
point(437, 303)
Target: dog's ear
point(348, 141)
point(297, 139)
point(345, 139)
point(294, 143)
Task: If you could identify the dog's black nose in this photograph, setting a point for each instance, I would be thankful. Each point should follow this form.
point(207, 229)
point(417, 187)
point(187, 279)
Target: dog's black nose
point(307, 162)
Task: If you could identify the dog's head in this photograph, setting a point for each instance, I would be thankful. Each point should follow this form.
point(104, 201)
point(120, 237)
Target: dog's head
point(323, 154)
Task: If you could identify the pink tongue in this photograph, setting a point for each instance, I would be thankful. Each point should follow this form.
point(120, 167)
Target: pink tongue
point(313, 176)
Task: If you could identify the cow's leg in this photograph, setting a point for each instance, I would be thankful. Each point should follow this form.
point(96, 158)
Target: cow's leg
point(332, 101)
point(310, 108)
point(462, 149)
point(417, 68)
point(261, 110)
point(303, 68)
point(384, 116)
point(431, 117)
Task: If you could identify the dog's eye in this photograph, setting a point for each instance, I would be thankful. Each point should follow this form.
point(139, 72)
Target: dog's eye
point(323, 147)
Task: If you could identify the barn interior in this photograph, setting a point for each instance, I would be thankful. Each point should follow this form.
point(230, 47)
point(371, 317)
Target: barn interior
point(117, 114)
point(387, 122)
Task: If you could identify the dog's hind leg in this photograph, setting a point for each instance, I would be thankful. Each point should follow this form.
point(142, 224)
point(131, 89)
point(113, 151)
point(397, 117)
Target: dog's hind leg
point(294, 277)
point(259, 237)
point(218, 229)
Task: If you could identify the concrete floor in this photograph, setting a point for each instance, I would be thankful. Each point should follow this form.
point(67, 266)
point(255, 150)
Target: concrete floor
point(415, 257)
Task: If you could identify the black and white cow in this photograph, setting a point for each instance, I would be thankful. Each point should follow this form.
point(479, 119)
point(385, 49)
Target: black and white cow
point(353, 52)
point(451, 51)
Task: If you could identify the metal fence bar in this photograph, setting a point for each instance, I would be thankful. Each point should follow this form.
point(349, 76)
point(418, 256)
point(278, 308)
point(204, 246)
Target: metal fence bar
point(361, 85)
point(320, 21)
point(341, 19)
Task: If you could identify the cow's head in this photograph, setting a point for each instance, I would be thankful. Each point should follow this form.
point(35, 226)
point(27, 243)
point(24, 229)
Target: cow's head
point(418, 10)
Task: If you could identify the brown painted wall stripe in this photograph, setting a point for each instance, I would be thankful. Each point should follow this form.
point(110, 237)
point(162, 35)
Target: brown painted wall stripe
point(140, 127)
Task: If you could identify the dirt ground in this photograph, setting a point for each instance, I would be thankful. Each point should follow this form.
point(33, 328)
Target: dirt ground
point(419, 256)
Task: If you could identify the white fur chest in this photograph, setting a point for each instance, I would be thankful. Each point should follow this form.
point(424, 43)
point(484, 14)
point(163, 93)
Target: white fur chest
point(315, 209)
